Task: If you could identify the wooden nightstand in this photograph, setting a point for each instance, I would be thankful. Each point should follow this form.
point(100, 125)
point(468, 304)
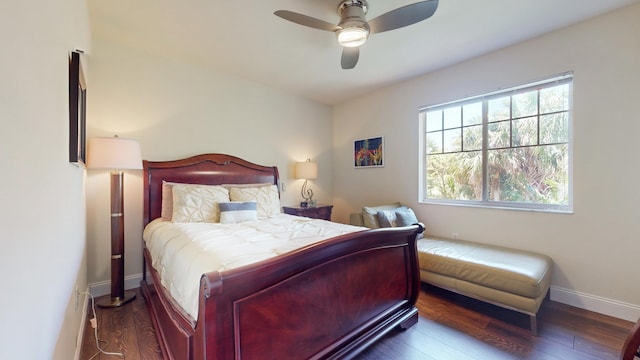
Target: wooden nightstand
point(318, 212)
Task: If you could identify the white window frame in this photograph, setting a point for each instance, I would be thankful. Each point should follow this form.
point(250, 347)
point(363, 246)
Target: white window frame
point(485, 202)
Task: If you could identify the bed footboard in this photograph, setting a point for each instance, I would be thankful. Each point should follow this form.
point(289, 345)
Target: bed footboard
point(327, 301)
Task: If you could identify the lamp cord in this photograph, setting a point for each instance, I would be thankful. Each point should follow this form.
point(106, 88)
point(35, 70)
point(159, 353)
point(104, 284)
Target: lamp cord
point(94, 324)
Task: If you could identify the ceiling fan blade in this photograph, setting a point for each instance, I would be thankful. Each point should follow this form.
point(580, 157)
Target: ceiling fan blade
point(306, 20)
point(404, 16)
point(350, 57)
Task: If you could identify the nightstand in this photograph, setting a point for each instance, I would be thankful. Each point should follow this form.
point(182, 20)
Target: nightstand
point(318, 212)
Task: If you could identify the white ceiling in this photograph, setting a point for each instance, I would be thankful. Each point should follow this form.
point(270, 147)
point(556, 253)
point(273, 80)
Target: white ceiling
point(244, 38)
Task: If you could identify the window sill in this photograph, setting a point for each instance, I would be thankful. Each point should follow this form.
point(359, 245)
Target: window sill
point(500, 206)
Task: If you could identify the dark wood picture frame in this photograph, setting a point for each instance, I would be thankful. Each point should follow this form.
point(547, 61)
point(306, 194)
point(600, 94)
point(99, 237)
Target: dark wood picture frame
point(77, 111)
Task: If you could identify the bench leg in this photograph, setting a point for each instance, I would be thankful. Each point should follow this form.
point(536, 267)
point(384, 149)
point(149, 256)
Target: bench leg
point(534, 325)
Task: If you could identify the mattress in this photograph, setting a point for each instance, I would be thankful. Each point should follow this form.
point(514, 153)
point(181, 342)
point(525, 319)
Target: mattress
point(182, 252)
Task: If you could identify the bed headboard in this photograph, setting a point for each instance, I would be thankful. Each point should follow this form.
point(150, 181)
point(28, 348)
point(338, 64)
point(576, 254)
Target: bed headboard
point(210, 169)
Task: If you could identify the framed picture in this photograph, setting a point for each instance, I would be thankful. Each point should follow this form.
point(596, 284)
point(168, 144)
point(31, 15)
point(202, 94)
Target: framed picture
point(368, 152)
point(77, 111)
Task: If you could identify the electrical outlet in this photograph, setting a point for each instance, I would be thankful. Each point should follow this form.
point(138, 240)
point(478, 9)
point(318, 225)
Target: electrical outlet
point(455, 235)
point(77, 297)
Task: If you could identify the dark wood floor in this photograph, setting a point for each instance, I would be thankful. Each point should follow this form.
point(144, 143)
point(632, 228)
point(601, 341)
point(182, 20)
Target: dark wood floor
point(450, 327)
point(127, 330)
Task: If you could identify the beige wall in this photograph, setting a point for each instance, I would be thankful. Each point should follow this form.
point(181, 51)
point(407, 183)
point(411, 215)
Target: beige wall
point(43, 215)
point(177, 110)
point(595, 249)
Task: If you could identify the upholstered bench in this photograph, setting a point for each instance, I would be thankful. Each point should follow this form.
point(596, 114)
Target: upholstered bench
point(513, 279)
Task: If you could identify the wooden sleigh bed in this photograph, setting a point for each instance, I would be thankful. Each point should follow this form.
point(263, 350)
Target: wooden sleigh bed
point(329, 300)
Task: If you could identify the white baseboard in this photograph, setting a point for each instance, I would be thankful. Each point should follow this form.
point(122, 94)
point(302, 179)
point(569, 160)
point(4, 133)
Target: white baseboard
point(602, 305)
point(599, 304)
point(83, 324)
point(104, 287)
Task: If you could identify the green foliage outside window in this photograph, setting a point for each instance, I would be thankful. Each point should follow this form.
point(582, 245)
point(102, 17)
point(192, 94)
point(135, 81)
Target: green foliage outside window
point(508, 148)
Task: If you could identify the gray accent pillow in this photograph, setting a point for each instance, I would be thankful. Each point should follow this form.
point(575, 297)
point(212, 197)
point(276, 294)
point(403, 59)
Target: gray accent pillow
point(384, 218)
point(405, 217)
point(235, 212)
point(370, 214)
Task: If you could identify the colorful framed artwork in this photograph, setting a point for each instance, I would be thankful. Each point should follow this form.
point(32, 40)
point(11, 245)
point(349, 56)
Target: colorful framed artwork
point(77, 111)
point(368, 152)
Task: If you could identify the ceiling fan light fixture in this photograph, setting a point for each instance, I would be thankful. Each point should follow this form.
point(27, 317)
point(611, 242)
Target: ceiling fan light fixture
point(352, 36)
point(353, 30)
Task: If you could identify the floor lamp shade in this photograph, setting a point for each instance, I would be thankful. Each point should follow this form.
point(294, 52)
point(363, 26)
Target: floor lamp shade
point(115, 154)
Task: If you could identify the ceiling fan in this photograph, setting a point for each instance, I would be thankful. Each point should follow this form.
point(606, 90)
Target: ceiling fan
point(353, 29)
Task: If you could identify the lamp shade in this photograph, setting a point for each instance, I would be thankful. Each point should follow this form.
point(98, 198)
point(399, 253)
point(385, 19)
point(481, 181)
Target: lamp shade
point(306, 170)
point(114, 153)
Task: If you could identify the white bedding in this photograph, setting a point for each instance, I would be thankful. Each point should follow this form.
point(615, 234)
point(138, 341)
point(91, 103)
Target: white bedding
point(182, 252)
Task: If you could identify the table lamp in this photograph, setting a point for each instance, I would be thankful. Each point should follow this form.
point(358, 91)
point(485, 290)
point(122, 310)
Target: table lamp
point(308, 171)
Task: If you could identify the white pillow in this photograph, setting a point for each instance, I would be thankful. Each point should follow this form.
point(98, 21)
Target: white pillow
point(167, 200)
point(197, 203)
point(236, 211)
point(266, 197)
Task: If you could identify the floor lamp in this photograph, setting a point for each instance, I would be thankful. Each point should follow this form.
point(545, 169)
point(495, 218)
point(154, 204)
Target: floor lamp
point(116, 154)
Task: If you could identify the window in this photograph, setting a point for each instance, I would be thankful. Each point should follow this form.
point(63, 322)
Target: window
point(505, 149)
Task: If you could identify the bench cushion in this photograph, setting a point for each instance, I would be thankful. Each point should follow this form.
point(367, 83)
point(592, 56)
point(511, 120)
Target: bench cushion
point(513, 271)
